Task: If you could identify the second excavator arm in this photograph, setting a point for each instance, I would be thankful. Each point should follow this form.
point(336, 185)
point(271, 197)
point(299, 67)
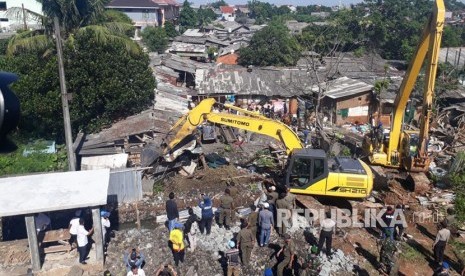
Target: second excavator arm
point(188, 123)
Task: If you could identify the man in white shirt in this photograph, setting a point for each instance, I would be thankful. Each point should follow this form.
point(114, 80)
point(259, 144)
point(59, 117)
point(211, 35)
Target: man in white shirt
point(105, 224)
point(439, 245)
point(73, 227)
point(327, 229)
point(82, 241)
point(135, 271)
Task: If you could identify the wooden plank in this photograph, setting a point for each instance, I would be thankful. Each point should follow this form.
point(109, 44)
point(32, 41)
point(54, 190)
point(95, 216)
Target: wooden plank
point(57, 235)
point(57, 248)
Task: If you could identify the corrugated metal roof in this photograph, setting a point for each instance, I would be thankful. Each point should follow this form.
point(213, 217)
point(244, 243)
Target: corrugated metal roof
point(187, 47)
point(343, 87)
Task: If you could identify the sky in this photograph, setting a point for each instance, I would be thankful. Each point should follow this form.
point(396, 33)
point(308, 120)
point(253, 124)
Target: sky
point(288, 2)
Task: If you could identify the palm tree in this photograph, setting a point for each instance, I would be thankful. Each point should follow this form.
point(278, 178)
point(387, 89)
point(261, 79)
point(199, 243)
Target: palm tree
point(76, 17)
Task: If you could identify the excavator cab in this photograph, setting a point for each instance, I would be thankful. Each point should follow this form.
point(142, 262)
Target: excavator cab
point(310, 171)
point(306, 167)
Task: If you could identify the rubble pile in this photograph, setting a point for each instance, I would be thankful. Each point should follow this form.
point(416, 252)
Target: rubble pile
point(338, 262)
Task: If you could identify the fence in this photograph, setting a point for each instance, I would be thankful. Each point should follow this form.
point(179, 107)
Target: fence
point(125, 186)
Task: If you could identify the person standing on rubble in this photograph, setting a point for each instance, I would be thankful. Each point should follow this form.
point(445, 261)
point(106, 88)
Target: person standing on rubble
point(171, 211)
point(191, 229)
point(399, 226)
point(82, 241)
point(283, 213)
point(388, 228)
point(266, 222)
point(291, 200)
point(328, 227)
point(245, 242)
point(388, 257)
point(232, 255)
point(272, 196)
point(252, 220)
point(177, 243)
point(233, 191)
point(207, 214)
point(440, 243)
point(312, 265)
point(227, 206)
point(105, 219)
point(73, 227)
point(288, 252)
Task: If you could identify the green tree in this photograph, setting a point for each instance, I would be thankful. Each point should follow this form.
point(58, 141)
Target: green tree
point(170, 29)
point(205, 16)
point(155, 38)
point(273, 45)
point(105, 81)
point(218, 4)
point(30, 55)
point(451, 36)
point(187, 17)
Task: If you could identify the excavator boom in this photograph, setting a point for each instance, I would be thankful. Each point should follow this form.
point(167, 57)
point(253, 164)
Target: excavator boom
point(250, 122)
point(409, 149)
point(308, 171)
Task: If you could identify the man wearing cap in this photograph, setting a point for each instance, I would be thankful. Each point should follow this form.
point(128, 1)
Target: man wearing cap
point(252, 220)
point(227, 206)
point(266, 222)
point(233, 191)
point(245, 242)
point(73, 227)
point(290, 198)
point(133, 257)
point(288, 252)
point(177, 243)
point(273, 197)
point(232, 255)
point(105, 224)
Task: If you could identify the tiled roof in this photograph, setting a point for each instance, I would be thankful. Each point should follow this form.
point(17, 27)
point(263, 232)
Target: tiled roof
point(227, 9)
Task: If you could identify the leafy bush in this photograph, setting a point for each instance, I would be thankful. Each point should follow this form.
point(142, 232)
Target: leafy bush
point(15, 163)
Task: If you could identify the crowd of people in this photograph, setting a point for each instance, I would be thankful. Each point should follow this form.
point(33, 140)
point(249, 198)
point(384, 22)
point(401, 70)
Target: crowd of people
point(256, 231)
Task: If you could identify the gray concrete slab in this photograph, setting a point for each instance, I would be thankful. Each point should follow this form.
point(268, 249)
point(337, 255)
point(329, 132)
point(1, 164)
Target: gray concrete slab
point(53, 191)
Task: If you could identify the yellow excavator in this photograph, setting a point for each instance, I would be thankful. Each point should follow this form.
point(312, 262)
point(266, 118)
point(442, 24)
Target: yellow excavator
point(308, 171)
point(403, 148)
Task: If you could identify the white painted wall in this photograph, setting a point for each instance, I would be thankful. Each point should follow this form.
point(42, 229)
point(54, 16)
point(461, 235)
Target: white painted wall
point(12, 23)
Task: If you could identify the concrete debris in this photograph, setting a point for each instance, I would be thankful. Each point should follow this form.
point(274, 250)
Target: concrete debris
point(337, 263)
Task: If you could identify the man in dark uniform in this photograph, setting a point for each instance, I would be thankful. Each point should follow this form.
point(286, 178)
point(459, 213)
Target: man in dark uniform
point(288, 252)
point(252, 220)
point(226, 205)
point(388, 256)
point(284, 209)
point(233, 191)
point(245, 242)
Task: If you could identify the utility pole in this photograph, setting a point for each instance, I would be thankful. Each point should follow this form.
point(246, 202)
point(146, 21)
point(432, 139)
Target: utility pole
point(24, 17)
point(64, 98)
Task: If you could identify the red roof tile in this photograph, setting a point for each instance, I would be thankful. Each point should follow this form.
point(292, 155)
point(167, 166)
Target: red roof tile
point(227, 9)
